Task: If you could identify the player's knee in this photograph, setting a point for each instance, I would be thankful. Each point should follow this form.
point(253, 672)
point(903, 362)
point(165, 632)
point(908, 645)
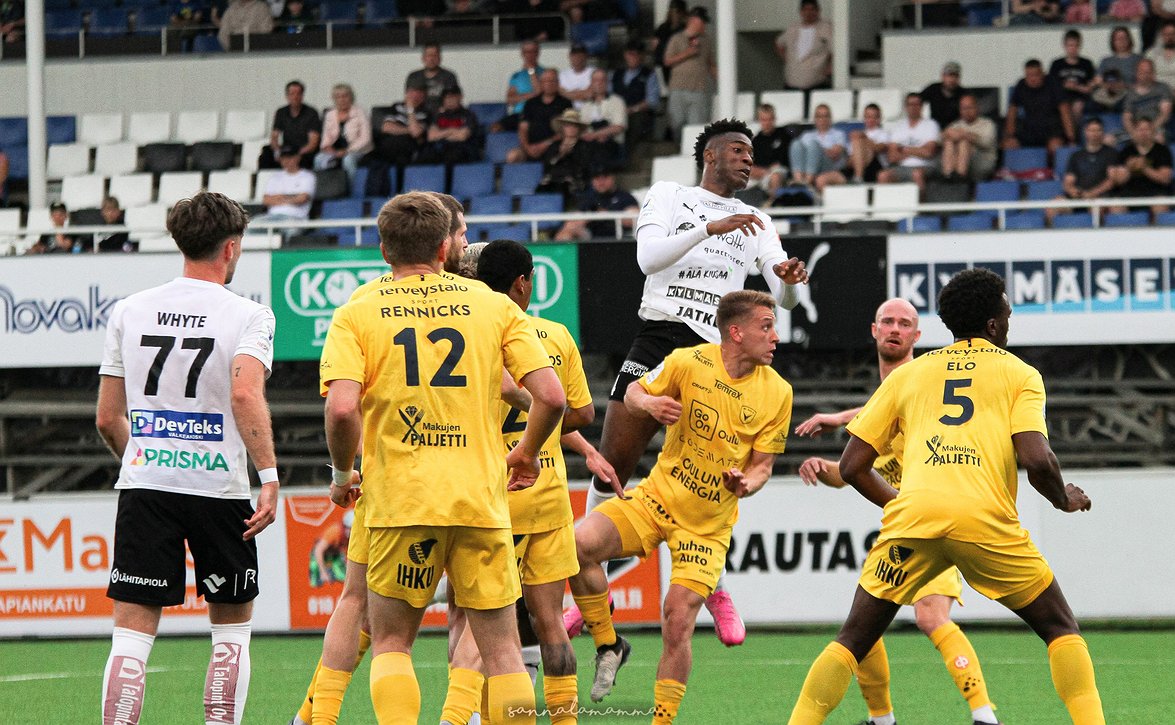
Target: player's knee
point(929, 620)
point(677, 621)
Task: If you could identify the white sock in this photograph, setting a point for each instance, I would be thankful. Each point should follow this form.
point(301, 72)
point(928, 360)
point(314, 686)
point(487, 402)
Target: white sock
point(984, 714)
point(475, 719)
point(721, 585)
point(298, 721)
point(532, 657)
point(227, 684)
point(595, 497)
point(124, 683)
point(882, 719)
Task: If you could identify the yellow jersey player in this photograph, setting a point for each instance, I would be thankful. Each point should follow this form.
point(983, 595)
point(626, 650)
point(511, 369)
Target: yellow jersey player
point(895, 331)
point(969, 411)
point(414, 368)
point(728, 414)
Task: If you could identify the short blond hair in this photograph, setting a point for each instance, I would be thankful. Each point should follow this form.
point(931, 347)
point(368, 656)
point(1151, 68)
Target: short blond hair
point(412, 227)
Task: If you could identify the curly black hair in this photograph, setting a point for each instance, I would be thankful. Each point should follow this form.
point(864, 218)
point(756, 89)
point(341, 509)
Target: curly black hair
point(969, 300)
point(718, 128)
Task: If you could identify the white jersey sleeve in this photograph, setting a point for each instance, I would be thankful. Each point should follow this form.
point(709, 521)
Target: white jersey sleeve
point(257, 338)
point(112, 348)
point(658, 208)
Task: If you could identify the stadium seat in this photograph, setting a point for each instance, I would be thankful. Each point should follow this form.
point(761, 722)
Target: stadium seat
point(99, 128)
point(149, 127)
point(593, 34)
point(1112, 123)
point(840, 102)
point(14, 131)
point(159, 158)
point(969, 223)
point(251, 153)
point(260, 182)
point(499, 144)
point(1166, 219)
point(359, 182)
point(488, 113)
point(1026, 219)
point(156, 243)
point(60, 129)
point(67, 160)
point(789, 106)
point(83, 192)
point(132, 190)
point(997, 191)
point(206, 44)
point(1025, 159)
point(689, 135)
point(212, 155)
point(195, 126)
point(38, 220)
point(116, 158)
point(491, 204)
point(516, 232)
point(852, 198)
point(241, 126)
point(519, 179)
point(542, 204)
point(983, 14)
point(150, 18)
point(744, 106)
point(108, 21)
point(331, 184)
point(429, 177)
point(9, 225)
point(477, 232)
point(18, 162)
point(680, 169)
point(470, 180)
point(1127, 219)
point(379, 11)
point(340, 11)
point(900, 199)
point(342, 209)
point(63, 22)
point(1079, 220)
point(889, 100)
point(1061, 160)
point(176, 185)
point(236, 184)
point(1043, 190)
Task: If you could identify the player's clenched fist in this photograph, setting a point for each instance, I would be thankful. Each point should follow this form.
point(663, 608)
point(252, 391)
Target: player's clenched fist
point(1075, 499)
point(735, 481)
point(665, 410)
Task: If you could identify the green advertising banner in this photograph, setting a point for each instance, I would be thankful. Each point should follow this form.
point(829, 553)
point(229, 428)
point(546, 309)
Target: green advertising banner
point(308, 285)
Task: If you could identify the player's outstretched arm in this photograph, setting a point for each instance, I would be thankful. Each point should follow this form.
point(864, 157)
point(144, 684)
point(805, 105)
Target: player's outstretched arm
point(546, 410)
point(111, 418)
point(656, 249)
point(1044, 473)
point(856, 468)
point(596, 463)
point(256, 429)
point(662, 408)
point(344, 431)
point(822, 423)
point(821, 470)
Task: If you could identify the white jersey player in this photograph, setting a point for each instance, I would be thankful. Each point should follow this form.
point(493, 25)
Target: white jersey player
point(182, 404)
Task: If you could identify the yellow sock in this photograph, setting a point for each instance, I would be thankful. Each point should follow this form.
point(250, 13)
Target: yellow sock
point(1072, 671)
point(364, 645)
point(561, 696)
point(394, 690)
point(483, 704)
point(667, 696)
point(962, 663)
point(873, 677)
point(511, 699)
point(328, 696)
point(825, 685)
point(464, 695)
point(308, 704)
point(597, 617)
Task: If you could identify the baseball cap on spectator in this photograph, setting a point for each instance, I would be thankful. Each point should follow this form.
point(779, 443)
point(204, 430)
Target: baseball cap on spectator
point(289, 149)
point(699, 11)
point(952, 67)
point(57, 206)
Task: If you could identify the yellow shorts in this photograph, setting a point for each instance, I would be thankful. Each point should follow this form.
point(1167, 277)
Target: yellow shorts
point(357, 546)
point(406, 563)
point(948, 584)
point(644, 523)
point(900, 569)
point(546, 556)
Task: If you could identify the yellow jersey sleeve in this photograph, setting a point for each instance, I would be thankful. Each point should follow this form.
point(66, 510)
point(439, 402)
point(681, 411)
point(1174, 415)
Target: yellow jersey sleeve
point(1028, 407)
point(521, 350)
point(342, 355)
point(773, 438)
point(575, 382)
point(662, 380)
point(877, 422)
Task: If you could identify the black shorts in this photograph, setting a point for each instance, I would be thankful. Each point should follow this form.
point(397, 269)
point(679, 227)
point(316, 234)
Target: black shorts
point(149, 561)
point(652, 344)
point(873, 169)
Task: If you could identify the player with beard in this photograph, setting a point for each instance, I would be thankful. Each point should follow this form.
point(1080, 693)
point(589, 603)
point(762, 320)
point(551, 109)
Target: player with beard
point(895, 330)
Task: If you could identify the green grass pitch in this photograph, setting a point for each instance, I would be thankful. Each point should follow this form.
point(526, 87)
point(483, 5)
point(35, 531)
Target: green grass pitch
point(59, 681)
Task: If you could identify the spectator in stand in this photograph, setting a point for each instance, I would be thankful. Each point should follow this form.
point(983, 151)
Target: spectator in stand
point(943, 97)
point(1110, 96)
point(868, 146)
point(1144, 168)
point(346, 133)
point(405, 129)
point(289, 193)
point(1034, 12)
point(187, 19)
point(806, 50)
point(1038, 114)
point(536, 132)
point(675, 18)
point(771, 147)
point(1158, 12)
point(244, 16)
point(637, 84)
point(1087, 176)
point(1079, 12)
point(1148, 99)
point(523, 85)
point(60, 241)
point(602, 195)
point(435, 78)
point(1127, 11)
point(913, 144)
point(607, 120)
point(1122, 57)
point(534, 28)
point(568, 162)
point(690, 54)
point(578, 11)
point(455, 134)
point(818, 155)
point(969, 147)
point(1163, 54)
point(295, 17)
point(1074, 73)
point(11, 20)
point(294, 124)
point(576, 79)
point(118, 241)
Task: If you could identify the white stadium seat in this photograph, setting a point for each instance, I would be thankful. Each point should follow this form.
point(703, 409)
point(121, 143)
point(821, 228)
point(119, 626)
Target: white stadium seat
point(854, 198)
point(236, 184)
point(839, 102)
point(889, 100)
point(240, 126)
point(679, 169)
point(898, 201)
point(9, 226)
point(99, 128)
point(744, 106)
point(259, 184)
point(67, 159)
point(176, 185)
point(146, 221)
point(789, 105)
point(132, 190)
point(149, 127)
point(83, 192)
point(116, 158)
point(250, 153)
point(196, 126)
point(689, 134)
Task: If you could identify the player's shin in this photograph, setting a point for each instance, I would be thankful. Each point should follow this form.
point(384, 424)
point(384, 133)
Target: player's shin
point(511, 699)
point(125, 679)
point(307, 708)
point(1072, 671)
point(825, 685)
point(328, 696)
point(463, 697)
point(227, 685)
point(667, 697)
point(597, 616)
point(962, 663)
point(561, 697)
point(873, 677)
point(395, 693)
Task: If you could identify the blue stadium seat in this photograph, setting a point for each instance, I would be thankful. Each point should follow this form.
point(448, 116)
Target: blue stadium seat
point(499, 144)
point(429, 177)
point(206, 44)
point(630, 9)
point(370, 235)
point(477, 232)
point(342, 209)
point(14, 131)
point(62, 22)
point(1027, 219)
point(997, 191)
point(1079, 220)
point(593, 34)
point(1061, 160)
point(517, 232)
point(60, 129)
point(970, 223)
point(1166, 219)
point(982, 14)
point(1127, 219)
point(542, 204)
point(1112, 122)
point(491, 204)
point(378, 11)
point(151, 18)
point(343, 11)
point(519, 179)
point(1023, 159)
point(488, 113)
point(472, 180)
point(921, 224)
point(1043, 190)
point(849, 126)
point(18, 162)
point(359, 183)
point(108, 20)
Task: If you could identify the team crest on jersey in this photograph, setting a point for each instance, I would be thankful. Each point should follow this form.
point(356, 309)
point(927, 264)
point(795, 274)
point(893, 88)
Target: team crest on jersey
point(899, 554)
point(418, 576)
point(419, 551)
point(746, 414)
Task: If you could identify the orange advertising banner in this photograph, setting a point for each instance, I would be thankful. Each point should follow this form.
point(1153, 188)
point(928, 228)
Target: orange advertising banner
point(316, 546)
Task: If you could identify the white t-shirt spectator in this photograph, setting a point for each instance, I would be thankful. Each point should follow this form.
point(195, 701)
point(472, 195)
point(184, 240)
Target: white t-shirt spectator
point(573, 80)
point(920, 134)
point(302, 182)
point(834, 137)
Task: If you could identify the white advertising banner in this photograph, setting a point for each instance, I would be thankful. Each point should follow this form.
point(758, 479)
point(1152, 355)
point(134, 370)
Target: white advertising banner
point(1077, 287)
point(53, 309)
point(796, 552)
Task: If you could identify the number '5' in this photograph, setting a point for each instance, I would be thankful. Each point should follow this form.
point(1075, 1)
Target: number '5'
point(951, 396)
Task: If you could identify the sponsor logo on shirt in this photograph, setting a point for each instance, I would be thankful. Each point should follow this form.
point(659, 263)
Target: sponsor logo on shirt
point(420, 432)
point(684, 227)
point(181, 460)
point(736, 394)
point(117, 576)
point(177, 424)
point(701, 358)
point(949, 454)
point(703, 419)
point(416, 575)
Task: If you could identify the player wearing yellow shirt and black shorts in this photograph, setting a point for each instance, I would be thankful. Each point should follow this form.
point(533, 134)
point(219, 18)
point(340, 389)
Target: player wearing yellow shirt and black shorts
point(728, 414)
point(414, 368)
point(895, 331)
point(969, 411)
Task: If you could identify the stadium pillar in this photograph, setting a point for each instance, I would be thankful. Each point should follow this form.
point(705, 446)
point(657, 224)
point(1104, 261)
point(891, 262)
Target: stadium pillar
point(35, 68)
point(841, 44)
point(727, 60)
